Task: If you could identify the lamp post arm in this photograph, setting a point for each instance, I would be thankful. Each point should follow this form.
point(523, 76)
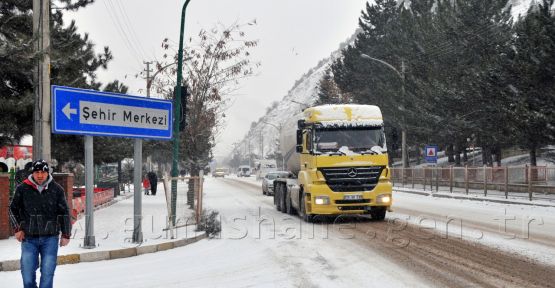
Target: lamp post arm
point(271, 125)
point(384, 63)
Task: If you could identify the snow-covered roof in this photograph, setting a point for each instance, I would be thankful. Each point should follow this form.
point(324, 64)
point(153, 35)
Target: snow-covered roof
point(345, 115)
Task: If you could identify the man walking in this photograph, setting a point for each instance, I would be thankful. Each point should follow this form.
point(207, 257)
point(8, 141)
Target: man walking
point(153, 179)
point(38, 212)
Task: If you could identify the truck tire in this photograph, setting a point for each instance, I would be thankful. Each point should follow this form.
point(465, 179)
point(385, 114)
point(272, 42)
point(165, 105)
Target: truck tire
point(277, 196)
point(302, 210)
point(378, 213)
point(288, 205)
point(263, 191)
point(283, 197)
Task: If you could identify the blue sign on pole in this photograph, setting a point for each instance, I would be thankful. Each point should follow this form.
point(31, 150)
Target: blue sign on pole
point(431, 153)
point(89, 112)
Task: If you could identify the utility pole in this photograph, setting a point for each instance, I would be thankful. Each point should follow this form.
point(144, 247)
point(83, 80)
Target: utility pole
point(148, 80)
point(148, 85)
point(138, 176)
point(41, 117)
point(261, 145)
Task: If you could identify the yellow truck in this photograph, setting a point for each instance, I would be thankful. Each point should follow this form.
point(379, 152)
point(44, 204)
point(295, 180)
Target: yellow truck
point(338, 158)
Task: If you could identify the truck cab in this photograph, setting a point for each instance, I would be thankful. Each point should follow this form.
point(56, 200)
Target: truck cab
point(341, 162)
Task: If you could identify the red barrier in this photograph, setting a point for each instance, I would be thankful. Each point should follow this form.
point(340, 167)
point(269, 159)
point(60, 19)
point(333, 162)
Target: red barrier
point(101, 196)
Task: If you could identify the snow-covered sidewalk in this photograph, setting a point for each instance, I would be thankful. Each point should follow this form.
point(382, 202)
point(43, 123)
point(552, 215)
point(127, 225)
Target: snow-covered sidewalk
point(113, 230)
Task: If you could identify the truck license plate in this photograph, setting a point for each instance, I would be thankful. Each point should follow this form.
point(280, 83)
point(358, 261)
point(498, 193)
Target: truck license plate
point(352, 197)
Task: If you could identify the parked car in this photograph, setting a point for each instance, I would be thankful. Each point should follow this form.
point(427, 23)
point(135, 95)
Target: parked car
point(268, 181)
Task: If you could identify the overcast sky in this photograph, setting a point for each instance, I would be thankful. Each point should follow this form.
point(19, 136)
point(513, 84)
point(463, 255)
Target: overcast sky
point(293, 36)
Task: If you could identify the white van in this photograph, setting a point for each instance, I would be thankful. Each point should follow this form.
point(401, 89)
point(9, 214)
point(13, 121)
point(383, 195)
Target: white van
point(244, 171)
point(264, 167)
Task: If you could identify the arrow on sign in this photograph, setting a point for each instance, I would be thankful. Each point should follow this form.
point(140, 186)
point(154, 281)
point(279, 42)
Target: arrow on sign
point(68, 111)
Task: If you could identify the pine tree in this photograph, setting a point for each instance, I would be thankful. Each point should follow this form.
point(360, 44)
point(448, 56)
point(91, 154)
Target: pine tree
point(328, 92)
point(530, 73)
point(73, 62)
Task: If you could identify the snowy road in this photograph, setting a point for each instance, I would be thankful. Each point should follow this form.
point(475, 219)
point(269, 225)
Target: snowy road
point(260, 247)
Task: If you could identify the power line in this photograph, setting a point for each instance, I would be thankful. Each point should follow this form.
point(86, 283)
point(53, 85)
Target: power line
point(127, 23)
point(123, 36)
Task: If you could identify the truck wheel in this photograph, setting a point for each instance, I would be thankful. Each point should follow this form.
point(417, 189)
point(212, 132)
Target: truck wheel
point(277, 197)
point(378, 213)
point(263, 192)
point(283, 198)
point(288, 205)
point(302, 210)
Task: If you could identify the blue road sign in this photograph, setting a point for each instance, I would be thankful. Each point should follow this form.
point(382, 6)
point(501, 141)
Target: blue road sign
point(89, 112)
point(431, 153)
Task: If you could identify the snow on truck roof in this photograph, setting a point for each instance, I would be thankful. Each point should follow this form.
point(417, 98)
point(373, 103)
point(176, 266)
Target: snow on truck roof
point(345, 115)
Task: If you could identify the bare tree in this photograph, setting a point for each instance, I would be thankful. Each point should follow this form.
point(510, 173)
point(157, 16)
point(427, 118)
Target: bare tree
point(215, 63)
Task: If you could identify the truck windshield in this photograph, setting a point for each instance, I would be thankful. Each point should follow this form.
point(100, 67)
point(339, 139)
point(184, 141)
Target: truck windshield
point(355, 139)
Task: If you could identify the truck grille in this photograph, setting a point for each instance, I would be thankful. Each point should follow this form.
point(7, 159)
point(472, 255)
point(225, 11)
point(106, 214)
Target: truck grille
point(352, 179)
point(359, 201)
point(346, 208)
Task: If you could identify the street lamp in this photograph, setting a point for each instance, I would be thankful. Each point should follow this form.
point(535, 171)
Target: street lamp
point(300, 103)
point(177, 113)
point(279, 130)
point(404, 158)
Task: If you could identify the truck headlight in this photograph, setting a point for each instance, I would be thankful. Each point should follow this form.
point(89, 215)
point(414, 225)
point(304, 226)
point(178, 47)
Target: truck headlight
point(322, 200)
point(383, 199)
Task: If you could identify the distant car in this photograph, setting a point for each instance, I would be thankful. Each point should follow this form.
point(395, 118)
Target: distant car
point(219, 172)
point(268, 181)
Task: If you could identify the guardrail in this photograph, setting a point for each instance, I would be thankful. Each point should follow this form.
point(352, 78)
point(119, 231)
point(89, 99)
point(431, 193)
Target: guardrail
point(533, 180)
point(100, 196)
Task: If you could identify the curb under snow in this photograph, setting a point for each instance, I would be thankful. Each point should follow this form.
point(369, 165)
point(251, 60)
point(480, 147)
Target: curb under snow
point(14, 265)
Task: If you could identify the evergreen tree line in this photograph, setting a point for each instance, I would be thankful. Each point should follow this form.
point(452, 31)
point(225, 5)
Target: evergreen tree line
point(73, 63)
point(472, 75)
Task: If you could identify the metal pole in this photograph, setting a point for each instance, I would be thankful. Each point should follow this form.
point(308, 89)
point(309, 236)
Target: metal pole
point(466, 178)
point(451, 179)
point(41, 33)
point(199, 197)
point(506, 182)
point(137, 190)
point(404, 150)
point(177, 101)
point(437, 178)
point(89, 194)
point(530, 182)
point(485, 180)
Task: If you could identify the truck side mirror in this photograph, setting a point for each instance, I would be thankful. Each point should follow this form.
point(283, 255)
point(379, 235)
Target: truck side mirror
point(299, 148)
point(301, 124)
point(299, 137)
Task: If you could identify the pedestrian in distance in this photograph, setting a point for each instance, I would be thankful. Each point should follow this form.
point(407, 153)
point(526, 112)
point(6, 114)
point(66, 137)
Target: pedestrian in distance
point(38, 213)
point(153, 179)
point(146, 185)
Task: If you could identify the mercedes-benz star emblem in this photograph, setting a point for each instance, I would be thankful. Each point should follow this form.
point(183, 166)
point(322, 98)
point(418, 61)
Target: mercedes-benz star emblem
point(352, 173)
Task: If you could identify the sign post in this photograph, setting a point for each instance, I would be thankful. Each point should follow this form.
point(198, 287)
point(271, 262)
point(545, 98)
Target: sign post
point(93, 113)
point(431, 154)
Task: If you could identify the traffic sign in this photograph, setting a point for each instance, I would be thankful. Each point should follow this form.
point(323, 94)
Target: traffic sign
point(431, 153)
point(89, 112)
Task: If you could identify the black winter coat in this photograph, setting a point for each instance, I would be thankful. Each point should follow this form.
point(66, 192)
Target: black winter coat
point(40, 214)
